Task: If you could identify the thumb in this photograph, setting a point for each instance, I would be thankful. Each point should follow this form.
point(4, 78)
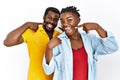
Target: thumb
point(80, 25)
point(35, 29)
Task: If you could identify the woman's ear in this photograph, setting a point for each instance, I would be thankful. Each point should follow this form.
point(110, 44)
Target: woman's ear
point(79, 20)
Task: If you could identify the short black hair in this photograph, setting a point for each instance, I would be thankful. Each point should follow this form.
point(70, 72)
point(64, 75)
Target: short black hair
point(53, 9)
point(72, 9)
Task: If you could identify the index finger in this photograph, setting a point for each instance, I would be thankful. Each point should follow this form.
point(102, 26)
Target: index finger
point(80, 25)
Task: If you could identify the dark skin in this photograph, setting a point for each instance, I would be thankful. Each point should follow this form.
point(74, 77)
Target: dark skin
point(15, 36)
point(70, 25)
point(51, 20)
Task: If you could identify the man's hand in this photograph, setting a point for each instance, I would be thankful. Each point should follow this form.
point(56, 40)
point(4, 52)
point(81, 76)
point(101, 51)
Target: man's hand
point(32, 25)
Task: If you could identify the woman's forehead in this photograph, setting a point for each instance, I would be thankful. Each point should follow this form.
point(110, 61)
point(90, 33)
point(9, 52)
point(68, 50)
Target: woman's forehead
point(67, 14)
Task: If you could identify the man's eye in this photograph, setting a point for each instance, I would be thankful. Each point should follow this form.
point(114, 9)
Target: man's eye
point(56, 19)
point(69, 20)
point(49, 17)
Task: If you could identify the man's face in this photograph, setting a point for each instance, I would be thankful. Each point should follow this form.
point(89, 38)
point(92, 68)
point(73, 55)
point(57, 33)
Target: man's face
point(51, 20)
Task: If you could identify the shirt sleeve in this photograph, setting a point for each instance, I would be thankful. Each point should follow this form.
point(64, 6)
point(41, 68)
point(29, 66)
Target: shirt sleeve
point(26, 34)
point(55, 62)
point(106, 45)
point(48, 68)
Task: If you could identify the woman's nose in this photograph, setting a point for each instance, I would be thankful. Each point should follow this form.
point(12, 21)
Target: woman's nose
point(65, 24)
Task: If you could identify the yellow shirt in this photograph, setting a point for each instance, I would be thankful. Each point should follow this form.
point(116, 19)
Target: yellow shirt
point(36, 43)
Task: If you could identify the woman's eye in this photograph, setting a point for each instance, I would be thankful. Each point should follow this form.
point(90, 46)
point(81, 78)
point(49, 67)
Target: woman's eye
point(69, 20)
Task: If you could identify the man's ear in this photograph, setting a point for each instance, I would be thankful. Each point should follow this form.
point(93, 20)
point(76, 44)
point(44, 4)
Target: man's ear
point(43, 17)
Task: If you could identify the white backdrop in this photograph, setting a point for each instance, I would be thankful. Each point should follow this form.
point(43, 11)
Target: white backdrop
point(14, 61)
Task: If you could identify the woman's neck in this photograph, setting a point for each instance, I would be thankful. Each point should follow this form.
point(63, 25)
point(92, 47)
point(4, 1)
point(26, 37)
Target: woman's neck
point(75, 36)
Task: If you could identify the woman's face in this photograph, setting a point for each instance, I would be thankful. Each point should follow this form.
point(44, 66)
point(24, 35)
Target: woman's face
point(69, 22)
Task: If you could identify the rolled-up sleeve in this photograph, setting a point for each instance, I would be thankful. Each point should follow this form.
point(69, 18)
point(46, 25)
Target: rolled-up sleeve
point(48, 68)
point(107, 45)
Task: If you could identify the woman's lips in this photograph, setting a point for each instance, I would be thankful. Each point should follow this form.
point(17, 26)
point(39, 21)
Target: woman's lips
point(67, 28)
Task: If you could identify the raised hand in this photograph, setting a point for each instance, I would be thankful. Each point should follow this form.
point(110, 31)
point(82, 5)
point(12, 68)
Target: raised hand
point(32, 25)
point(89, 26)
point(54, 42)
point(94, 26)
point(48, 53)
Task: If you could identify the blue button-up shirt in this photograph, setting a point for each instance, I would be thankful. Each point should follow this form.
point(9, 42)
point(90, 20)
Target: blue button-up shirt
point(61, 63)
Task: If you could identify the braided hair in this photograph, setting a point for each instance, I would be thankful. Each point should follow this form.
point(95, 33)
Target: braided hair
point(71, 9)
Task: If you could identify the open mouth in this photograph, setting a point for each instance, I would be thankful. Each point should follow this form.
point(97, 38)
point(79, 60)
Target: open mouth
point(67, 29)
point(49, 25)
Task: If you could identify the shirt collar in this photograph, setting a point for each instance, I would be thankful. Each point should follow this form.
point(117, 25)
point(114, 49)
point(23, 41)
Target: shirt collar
point(40, 27)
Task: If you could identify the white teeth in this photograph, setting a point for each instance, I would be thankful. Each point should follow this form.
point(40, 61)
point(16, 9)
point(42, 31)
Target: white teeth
point(49, 25)
point(67, 28)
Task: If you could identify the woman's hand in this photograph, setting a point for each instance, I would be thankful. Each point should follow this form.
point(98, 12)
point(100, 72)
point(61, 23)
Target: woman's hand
point(94, 26)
